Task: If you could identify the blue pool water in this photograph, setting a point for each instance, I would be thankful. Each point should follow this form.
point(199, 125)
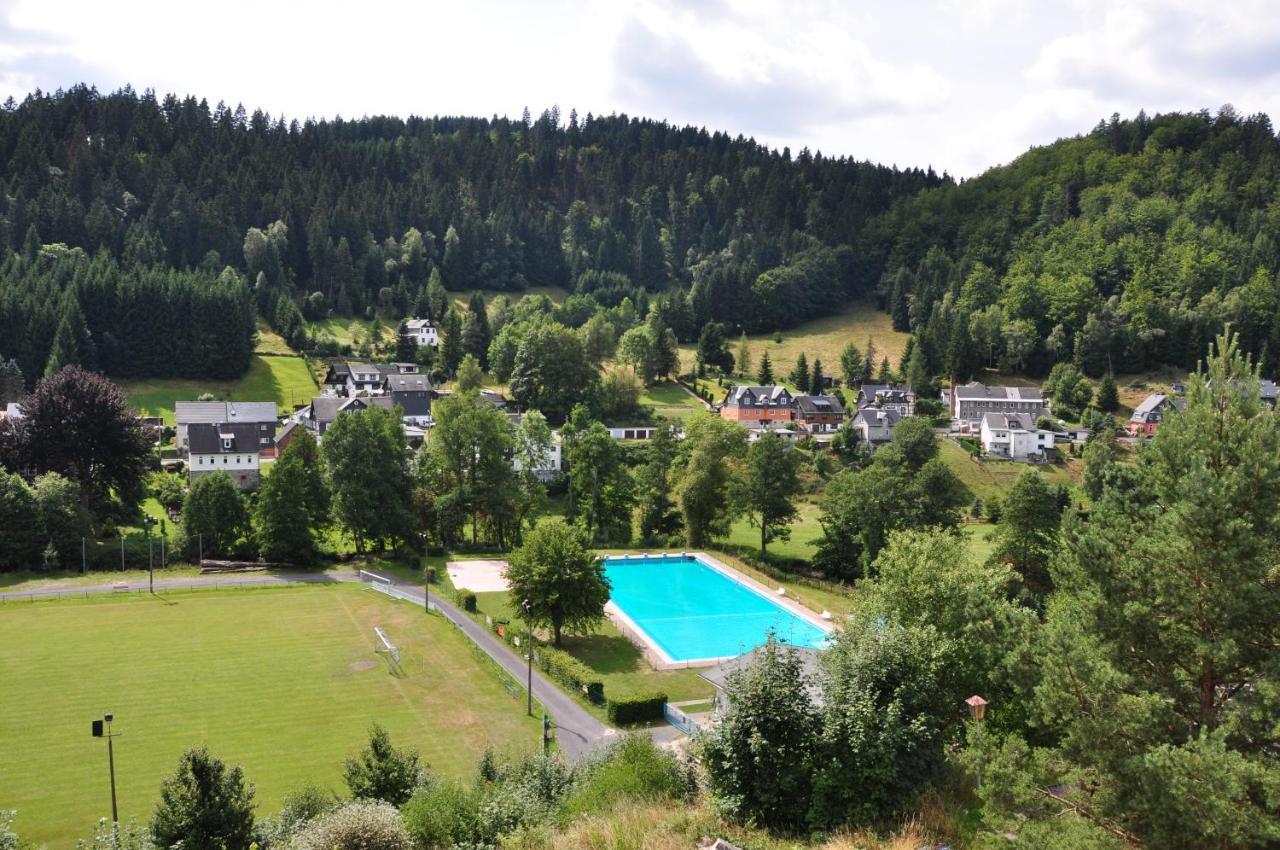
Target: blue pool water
point(693, 611)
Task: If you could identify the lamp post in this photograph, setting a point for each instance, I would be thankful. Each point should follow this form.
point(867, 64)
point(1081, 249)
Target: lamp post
point(151, 561)
point(528, 621)
point(426, 576)
point(98, 732)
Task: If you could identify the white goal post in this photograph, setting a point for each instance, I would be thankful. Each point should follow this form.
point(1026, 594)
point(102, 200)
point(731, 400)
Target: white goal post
point(387, 646)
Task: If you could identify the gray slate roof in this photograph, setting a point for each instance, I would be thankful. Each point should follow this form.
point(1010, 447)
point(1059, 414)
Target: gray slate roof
point(811, 405)
point(976, 390)
point(1149, 406)
point(205, 438)
point(1009, 421)
point(810, 665)
point(739, 395)
point(398, 383)
point(877, 416)
point(212, 412)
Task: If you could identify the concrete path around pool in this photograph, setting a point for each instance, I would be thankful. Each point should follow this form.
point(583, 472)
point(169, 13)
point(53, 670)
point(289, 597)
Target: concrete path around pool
point(478, 576)
point(632, 631)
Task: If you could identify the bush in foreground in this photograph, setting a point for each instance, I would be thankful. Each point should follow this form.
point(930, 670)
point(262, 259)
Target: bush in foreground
point(358, 825)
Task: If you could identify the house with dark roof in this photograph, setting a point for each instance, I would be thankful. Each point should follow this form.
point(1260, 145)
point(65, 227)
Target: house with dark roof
point(875, 424)
point(230, 447)
point(899, 397)
point(818, 413)
point(413, 394)
point(746, 404)
point(324, 410)
point(260, 414)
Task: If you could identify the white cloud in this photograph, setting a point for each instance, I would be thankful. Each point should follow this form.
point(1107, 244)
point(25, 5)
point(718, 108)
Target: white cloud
point(954, 84)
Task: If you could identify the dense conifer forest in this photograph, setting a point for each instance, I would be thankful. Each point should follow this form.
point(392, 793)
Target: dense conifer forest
point(1122, 249)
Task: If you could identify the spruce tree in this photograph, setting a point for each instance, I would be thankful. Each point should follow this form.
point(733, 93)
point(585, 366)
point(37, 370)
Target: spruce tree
point(1108, 396)
point(11, 384)
point(851, 365)
point(799, 376)
point(885, 375)
point(766, 370)
point(451, 342)
point(817, 386)
point(742, 361)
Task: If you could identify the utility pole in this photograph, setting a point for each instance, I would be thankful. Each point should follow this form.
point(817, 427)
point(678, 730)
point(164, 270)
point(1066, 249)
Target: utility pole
point(121, 553)
point(200, 543)
point(83, 569)
point(111, 761)
point(528, 620)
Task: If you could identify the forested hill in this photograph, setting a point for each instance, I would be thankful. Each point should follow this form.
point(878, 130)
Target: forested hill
point(610, 205)
point(1123, 249)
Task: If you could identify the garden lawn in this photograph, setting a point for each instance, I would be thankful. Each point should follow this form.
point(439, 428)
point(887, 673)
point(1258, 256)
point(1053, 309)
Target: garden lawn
point(671, 400)
point(285, 380)
point(802, 545)
point(984, 479)
point(283, 681)
point(823, 339)
point(270, 342)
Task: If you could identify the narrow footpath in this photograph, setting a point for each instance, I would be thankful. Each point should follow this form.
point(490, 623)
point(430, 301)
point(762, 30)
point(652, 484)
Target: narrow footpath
point(577, 730)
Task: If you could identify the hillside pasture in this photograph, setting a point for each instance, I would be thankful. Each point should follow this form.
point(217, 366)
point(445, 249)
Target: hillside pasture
point(821, 339)
point(284, 682)
point(285, 380)
point(986, 478)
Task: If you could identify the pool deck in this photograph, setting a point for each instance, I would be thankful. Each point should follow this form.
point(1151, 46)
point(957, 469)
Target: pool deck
point(658, 657)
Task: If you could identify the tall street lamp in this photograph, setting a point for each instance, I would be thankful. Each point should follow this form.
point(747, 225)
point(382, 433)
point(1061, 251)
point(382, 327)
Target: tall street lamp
point(528, 621)
point(99, 732)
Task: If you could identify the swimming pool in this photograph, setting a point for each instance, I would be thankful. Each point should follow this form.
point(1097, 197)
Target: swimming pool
point(691, 609)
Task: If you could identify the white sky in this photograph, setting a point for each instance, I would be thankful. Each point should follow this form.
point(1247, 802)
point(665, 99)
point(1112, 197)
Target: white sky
point(957, 84)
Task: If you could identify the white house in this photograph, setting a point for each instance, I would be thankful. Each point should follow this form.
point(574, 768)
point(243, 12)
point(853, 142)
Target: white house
point(229, 447)
point(422, 332)
point(1015, 436)
point(552, 462)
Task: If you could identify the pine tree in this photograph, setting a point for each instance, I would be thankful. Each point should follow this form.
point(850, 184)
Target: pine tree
point(799, 376)
point(66, 347)
point(437, 297)
point(11, 383)
point(1108, 396)
point(851, 365)
point(868, 361)
point(817, 386)
point(885, 375)
point(475, 329)
point(766, 370)
point(451, 342)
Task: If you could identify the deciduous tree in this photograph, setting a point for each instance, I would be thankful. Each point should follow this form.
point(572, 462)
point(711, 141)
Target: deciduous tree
point(563, 583)
point(204, 806)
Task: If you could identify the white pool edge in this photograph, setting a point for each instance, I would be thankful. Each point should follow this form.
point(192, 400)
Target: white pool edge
point(659, 658)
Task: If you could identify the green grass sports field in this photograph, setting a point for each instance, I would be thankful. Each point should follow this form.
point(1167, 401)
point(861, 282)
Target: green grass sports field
point(284, 682)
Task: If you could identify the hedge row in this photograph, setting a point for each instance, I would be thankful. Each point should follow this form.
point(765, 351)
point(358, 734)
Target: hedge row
point(636, 709)
point(570, 672)
point(467, 600)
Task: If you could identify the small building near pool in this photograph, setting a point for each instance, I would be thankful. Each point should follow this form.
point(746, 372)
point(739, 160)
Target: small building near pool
point(810, 669)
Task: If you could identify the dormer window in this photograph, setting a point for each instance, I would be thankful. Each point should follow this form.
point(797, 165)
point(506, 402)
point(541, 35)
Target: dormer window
point(226, 444)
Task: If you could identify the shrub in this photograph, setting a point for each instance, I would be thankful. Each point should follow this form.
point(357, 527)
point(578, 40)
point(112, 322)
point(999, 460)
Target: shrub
point(467, 600)
point(636, 709)
point(568, 671)
point(358, 825)
point(630, 768)
point(382, 772)
point(443, 815)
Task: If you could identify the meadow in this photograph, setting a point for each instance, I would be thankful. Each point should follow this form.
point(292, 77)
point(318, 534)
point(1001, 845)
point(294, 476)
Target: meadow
point(984, 479)
point(284, 682)
point(671, 400)
point(285, 380)
point(821, 339)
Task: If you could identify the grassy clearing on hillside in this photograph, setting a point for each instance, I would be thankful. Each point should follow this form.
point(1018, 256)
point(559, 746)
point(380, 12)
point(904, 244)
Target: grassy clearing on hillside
point(823, 339)
point(285, 380)
point(283, 682)
point(988, 478)
point(270, 342)
point(345, 331)
point(555, 293)
point(671, 400)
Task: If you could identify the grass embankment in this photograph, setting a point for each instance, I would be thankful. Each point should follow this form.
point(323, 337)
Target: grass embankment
point(285, 380)
point(284, 682)
point(822, 339)
point(987, 478)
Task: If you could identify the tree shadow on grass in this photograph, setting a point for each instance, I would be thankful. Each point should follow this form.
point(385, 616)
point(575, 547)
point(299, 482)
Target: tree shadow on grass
point(605, 653)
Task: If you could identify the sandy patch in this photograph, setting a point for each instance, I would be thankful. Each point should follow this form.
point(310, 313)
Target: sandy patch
point(478, 576)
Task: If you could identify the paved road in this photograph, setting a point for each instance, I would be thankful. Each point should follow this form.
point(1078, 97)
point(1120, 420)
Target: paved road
point(577, 731)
